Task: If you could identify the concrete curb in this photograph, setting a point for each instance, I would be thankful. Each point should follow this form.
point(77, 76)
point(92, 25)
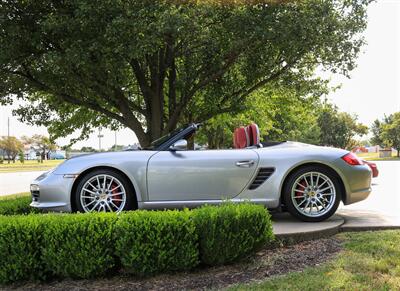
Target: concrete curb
point(306, 236)
point(289, 231)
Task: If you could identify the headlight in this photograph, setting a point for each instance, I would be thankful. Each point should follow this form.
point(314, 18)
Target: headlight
point(34, 187)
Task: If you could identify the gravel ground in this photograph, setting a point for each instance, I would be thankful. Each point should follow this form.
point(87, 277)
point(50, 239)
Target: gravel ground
point(266, 263)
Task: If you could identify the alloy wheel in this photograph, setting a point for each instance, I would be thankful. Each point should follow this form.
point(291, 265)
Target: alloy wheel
point(103, 193)
point(313, 194)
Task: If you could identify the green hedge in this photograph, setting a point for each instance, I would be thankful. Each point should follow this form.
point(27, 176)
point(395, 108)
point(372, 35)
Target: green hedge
point(20, 248)
point(140, 242)
point(79, 245)
point(18, 205)
point(156, 241)
point(229, 232)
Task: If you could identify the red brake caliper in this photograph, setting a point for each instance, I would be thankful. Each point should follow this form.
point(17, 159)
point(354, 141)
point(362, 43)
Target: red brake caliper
point(298, 193)
point(119, 196)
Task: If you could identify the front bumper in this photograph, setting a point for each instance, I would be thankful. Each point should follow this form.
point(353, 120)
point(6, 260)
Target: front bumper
point(51, 192)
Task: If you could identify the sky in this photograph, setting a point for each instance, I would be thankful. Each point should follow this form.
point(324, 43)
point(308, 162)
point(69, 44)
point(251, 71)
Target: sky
point(372, 91)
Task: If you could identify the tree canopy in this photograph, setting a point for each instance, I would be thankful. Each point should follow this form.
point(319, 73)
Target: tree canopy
point(11, 146)
point(387, 132)
point(338, 129)
point(150, 65)
point(41, 144)
point(281, 113)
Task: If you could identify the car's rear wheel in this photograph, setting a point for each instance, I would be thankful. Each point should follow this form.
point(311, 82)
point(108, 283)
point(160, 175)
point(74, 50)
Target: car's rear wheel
point(104, 190)
point(312, 193)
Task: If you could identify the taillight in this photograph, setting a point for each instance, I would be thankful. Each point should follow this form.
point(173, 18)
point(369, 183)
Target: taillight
point(352, 159)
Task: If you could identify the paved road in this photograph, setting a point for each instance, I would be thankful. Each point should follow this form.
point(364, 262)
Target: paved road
point(385, 196)
point(11, 183)
point(382, 207)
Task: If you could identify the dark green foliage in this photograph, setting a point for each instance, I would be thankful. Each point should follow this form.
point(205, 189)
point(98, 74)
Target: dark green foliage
point(150, 242)
point(37, 247)
point(152, 65)
point(231, 231)
point(20, 243)
point(79, 245)
point(338, 129)
point(19, 205)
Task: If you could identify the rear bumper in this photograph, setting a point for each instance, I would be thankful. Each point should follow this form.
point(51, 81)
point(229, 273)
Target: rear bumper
point(357, 196)
point(356, 181)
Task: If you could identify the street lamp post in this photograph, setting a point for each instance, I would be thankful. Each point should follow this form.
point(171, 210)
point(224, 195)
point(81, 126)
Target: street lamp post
point(100, 136)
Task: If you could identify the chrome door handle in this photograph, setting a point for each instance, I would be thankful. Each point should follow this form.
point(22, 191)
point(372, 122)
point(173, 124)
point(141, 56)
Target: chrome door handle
point(245, 164)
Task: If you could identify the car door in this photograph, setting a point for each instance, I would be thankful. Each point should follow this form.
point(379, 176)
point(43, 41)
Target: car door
point(199, 175)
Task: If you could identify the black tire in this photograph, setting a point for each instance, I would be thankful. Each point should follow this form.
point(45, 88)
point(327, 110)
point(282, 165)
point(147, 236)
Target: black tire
point(130, 200)
point(334, 200)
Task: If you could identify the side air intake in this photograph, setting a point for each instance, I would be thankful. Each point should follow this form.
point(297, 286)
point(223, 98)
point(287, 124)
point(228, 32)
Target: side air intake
point(262, 176)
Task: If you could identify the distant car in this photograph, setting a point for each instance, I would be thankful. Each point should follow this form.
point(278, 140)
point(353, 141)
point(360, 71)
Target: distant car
point(309, 181)
point(374, 168)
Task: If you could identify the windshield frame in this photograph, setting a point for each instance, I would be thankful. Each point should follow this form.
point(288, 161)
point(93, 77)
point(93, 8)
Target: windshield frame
point(163, 143)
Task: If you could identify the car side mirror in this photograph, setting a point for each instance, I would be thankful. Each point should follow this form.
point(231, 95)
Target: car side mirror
point(180, 145)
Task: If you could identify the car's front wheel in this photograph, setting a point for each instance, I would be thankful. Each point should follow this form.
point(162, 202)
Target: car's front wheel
point(312, 193)
point(103, 190)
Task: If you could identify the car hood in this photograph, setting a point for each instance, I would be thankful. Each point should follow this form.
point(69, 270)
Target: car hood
point(82, 162)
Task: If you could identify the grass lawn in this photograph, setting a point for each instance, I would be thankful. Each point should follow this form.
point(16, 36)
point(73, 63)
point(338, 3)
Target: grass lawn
point(369, 261)
point(30, 165)
point(375, 157)
point(13, 196)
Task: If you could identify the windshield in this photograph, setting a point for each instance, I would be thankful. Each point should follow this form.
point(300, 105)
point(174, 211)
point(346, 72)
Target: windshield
point(155, 144)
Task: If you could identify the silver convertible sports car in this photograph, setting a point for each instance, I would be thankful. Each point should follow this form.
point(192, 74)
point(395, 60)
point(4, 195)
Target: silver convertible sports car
point(308, 181)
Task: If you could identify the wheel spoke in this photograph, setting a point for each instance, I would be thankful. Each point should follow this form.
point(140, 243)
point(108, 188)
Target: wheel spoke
point(91, 192)
point(316, 182)
point(320, 202)
point(108, 206)
point(308, 203)
point(301, 185)
point(305, 179)
point(299, 196)
point(89, 197)
point(326, 188)
point(94, 207)
point(116, 207)
point(91, 185)
point(93, 201)
point(113, 189)
point(305, 199)
point(104, 182)
point(116, 194)
point(110, 184)
point(323, 183)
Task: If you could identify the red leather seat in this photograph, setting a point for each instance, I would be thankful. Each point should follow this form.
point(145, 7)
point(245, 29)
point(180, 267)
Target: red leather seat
point(254, 134)
point(241, 138)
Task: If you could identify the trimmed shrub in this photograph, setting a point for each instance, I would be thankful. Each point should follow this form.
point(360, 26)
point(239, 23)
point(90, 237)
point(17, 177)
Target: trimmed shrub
point(139, 242)
point(231, 231)
point(78, 245)
point(18, 205)
point(153, 241)
point(20, 243)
